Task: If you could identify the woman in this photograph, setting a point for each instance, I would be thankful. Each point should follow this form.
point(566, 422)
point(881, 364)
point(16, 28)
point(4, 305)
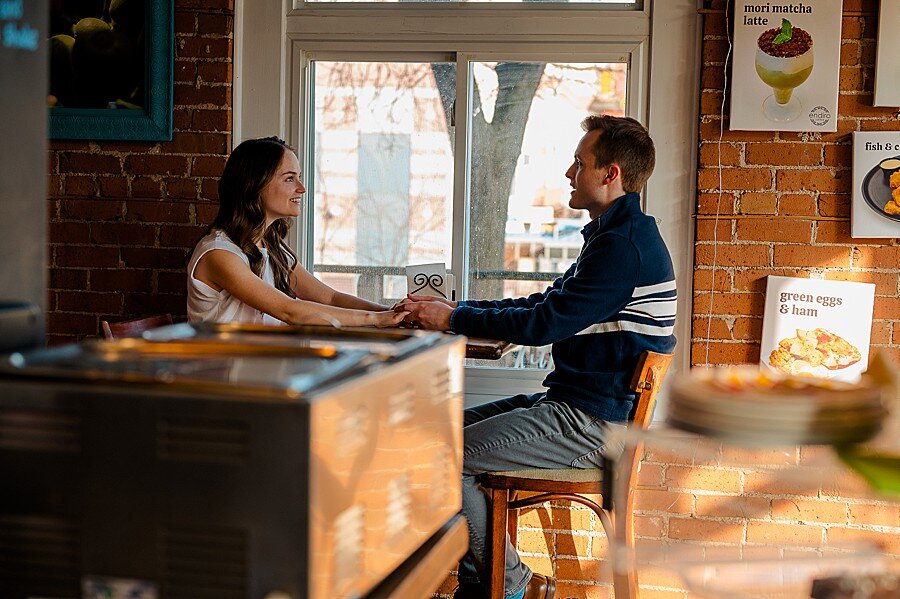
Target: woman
point(243, 271)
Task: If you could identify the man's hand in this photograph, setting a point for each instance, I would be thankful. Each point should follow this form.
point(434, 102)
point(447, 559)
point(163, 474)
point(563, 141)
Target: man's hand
point(431, 315)
point(426, 298)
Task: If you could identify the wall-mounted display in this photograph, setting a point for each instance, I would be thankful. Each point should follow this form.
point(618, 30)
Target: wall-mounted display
point(887, 65)
point(876, 184)
point(111, 70)
point(786, 65)
point(816, 327)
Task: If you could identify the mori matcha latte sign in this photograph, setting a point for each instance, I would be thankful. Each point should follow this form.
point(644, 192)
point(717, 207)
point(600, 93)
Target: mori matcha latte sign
point(786, 66)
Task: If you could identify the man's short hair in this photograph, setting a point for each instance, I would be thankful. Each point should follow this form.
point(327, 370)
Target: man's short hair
point(625, 142)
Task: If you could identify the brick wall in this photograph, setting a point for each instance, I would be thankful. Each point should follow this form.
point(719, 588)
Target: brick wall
point(124, 215)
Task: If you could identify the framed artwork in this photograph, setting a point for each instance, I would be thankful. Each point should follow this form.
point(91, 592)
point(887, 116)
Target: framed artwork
point(887, 67)
point(816, 327)
point(111, 67)
point(786, 66)
point(875, 207)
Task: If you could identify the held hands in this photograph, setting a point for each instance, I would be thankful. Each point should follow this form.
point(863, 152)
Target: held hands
point(424, 298)
point(427, 312)
point(388, 318)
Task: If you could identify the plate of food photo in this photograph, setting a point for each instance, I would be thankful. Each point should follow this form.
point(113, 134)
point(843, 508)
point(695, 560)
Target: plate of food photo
point(881, 188)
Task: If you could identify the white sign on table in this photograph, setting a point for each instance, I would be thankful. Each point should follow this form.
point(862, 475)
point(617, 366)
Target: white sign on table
point(430, 279)
point(816, 327)
point(786, 66)
point(875, 207)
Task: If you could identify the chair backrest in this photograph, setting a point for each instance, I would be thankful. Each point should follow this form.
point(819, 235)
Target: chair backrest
point(647, 379)
point(134, 328)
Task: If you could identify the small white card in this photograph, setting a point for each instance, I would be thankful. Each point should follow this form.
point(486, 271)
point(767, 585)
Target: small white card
point(430, 279)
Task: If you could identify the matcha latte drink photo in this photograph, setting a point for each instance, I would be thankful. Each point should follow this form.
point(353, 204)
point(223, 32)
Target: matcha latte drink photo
point(784, 61)
point(786, 65)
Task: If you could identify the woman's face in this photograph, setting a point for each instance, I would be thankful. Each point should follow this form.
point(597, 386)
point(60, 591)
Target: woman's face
point(281, 196)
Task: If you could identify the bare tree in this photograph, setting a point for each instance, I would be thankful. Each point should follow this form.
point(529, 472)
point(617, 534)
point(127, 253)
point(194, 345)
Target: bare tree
point(499, 143)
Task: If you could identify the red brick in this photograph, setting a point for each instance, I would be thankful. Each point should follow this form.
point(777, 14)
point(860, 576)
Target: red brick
point(834, 204)
point(80, 185)
point(208, 166)
point(209, 190)
point(813, 180)
point(214, 24)
point(69, 232)
point(122, 234)
point(214, 72)
point(136, 257)
point(80, 162)
point(121, 280)
point(90, 209)
point(185, 23)
point(704, 280)
point(771, 533)
point(784, 154)
point(703, 327)
point(733, 255)
point(158, 212)
point(62, 323)
point(172, 282)
point(729, 303)
point(757, 203)
point(145, 187)
point(198, 143)
point(776, 230)
point(185, 71)
point(797, 205)
point(695, 529)
point(181, 119)
point(211, 120)
point(754, 279)
point(70, 301)
point(725, 353)
point(732, 506)
point(68, 278)
point(85, 256)
point(711, 203)
point(214, 97)
point(202, 47)
point(753, 179)
point(156, 164)
point(805, 256)
point(113, 187)
point(184, 188)
point(707, 228)
point(181, 237)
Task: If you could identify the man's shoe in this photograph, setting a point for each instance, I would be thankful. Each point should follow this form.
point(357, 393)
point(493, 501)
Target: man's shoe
point(540, 587)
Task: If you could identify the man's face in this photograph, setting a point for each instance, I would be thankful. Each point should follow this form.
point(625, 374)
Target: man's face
point(589, 189)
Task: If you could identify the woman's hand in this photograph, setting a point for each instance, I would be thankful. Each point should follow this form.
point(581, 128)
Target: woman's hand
point(388, 318)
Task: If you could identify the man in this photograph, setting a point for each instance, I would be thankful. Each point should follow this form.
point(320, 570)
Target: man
point(616, 301)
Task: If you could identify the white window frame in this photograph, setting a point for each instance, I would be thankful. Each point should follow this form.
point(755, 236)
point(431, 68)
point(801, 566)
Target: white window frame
point(274, 39)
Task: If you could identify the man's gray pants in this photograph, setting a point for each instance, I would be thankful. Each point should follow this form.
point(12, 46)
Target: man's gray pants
point(517, 433)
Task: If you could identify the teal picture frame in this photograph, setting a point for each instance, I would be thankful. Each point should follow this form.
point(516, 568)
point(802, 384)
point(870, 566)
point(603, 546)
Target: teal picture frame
point(151, 124)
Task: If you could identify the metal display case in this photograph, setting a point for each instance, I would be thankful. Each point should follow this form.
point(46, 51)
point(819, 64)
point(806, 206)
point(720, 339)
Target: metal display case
point(201, 467)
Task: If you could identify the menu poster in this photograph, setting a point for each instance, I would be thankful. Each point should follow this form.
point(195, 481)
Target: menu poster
point(875, 204)
point(816, 327)
point(786, 65)
point(887, 67)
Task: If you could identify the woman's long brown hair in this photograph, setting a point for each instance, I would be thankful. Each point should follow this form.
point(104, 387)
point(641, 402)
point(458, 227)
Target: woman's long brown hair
point(247, 172)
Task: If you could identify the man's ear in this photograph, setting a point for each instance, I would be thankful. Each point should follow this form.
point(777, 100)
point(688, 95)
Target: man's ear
point(613, 172)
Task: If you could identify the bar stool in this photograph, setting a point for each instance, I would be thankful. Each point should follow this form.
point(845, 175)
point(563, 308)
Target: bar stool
point(572, 484)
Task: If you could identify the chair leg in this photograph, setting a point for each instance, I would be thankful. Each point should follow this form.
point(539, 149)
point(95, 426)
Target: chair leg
point(512, 525)
point(497, 557)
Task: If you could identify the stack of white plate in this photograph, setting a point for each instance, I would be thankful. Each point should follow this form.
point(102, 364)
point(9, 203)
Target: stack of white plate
point(750, 406)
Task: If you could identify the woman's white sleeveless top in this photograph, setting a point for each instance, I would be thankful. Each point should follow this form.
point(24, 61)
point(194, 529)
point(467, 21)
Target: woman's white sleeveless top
point(205, 304)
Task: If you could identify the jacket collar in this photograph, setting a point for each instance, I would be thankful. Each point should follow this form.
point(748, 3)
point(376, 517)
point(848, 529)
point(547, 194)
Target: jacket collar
point(622, 207)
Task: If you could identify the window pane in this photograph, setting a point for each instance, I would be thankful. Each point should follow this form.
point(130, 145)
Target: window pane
point(382, 187)
point(525, 127)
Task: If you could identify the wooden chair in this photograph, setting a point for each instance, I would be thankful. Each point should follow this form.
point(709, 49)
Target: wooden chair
point(134, 328)
point(572, 484)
